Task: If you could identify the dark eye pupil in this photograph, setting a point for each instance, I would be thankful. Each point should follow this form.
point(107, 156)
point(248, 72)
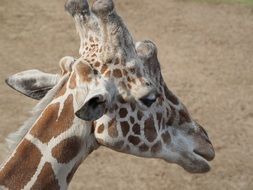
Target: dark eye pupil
point(148, 102)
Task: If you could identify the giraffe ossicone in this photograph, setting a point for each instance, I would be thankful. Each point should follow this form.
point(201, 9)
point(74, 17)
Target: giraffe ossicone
point(113, 95)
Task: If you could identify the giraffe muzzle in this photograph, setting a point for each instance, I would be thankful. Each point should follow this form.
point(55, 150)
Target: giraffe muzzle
point(204, 147)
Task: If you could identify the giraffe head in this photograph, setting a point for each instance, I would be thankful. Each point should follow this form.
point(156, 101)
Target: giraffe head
point(132, 109)
point(144, 117)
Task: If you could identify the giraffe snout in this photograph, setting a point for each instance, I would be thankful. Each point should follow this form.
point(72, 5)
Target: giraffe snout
point(204, 147)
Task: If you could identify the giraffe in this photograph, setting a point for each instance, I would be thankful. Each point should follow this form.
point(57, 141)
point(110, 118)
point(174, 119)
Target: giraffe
point(54, 141)
point(114, 95)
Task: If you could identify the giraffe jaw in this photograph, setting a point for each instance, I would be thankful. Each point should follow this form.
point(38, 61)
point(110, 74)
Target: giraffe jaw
point(192, 151)
point(191, 162)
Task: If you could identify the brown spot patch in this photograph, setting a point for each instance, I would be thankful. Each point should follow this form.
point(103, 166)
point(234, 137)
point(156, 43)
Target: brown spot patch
point(101, 128)
point(184, 117)
point(123, 112)
point(143, 148)
point(139, 115)
point(124, 127)
point(149, 129)
point(93, 124)
point(68, 149)
point(95, 71)
point(156, 147)
point(117, 73)
point(84, 71)
point(132, 70)
point(46, 179)
point(136, 129)
point(116, 61)
point(166, 137)
point(170, 96)
point(48, 126)
point(131, 119)
point(91, 39)
point(109, 61)
point(172, 116)
point(104, 68)
point(123, 84)
point(112, 129)
point(21, 167)
point(133, 106)
point(97, 64)
point(134, 140)
point(62, 91)
point(72, 81)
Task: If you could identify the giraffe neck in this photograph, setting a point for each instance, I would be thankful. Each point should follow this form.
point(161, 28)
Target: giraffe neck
point(51, 151)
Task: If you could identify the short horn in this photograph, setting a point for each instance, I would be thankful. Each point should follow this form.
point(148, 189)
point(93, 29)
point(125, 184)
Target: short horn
point(102, 7)
point(75, 7)
point(146, 49)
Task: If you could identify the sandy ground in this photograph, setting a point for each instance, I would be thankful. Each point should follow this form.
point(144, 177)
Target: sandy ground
point(206, 52)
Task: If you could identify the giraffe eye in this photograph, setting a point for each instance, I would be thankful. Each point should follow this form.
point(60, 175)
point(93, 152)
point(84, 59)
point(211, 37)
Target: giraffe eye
point(148, 100)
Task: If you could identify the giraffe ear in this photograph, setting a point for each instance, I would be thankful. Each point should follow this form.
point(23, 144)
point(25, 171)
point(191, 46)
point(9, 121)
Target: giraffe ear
point(33, 83)
point(92, 109)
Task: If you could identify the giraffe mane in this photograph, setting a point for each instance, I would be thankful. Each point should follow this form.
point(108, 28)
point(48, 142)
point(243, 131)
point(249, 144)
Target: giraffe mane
point(13, 139)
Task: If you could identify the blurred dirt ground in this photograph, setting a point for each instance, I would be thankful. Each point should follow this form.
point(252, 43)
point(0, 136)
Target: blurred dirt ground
point(206, 52)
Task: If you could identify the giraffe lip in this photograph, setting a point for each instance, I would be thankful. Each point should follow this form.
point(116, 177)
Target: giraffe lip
point(195, 163)
point(207, 154)
point(205, 157)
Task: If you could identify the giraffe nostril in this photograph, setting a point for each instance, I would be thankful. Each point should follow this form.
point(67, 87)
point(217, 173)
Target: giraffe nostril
point(208, 141)
point(203, 130)
point(204, 134)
